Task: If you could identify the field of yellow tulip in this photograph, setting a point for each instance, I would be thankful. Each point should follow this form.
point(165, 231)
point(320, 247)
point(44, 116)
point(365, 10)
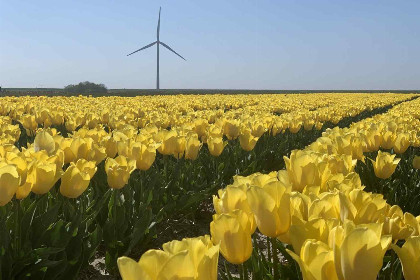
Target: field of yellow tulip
point(287, 186)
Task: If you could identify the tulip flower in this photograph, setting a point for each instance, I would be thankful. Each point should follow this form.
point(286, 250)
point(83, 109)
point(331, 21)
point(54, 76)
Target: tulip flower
point(385, 164)
point(118, 171)
point(247, 140)
point(44, 141)
point(303, 170)
point(271, 207)
point(233, 232)
point(76, 178)
point(231, 129)
point(169, 142)
point(234, 198)
point(359, 251)
point(216, 146)
point(29, 123)
point(362, 207)
point(409, 255)
point(47, 173)
point(191, 258)
point(314, 229)
point(388, 140)
point(143, 155)
point(416, 162)
point(401, 143)
point(9, 182)
point(192, 148)
point(316, 261)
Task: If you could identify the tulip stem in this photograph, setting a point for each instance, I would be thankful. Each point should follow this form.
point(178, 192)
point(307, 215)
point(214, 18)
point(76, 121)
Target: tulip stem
point(275, 259)
point(268, 250)
point(244, 271)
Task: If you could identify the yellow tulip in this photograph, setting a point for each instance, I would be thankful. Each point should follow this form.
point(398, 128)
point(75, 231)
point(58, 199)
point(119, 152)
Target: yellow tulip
point(46, 175)
point(388, 140)
point(316, 261)
point(118, 171)
point(271, 207)
point(21, 165)
point(29, 123)
point(401, 143)
point(295, 125)
point(303, 170)
point(385, 165)
point(24, 190)
point(362, 207)
point(192, 148)
point(247, 140)
point(232, 198)
point(143, 155)
point(359, 251)
point(216, 146)
point(189, 259)
point(314, 229)
point(416, 162)
point(44, 141)
point(110, 146)
point(231, 129)
point(76, 178)
point(409, 255)
point(395, 225)
point(9, 182)
point(168, 140)
point(372, 139)
point(233, 232)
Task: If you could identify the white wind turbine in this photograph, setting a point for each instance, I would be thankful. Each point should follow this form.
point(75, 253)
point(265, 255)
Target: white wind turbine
point(158, 42)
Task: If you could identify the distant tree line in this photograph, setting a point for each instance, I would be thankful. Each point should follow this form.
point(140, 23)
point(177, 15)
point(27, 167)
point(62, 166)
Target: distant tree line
point(86, 88)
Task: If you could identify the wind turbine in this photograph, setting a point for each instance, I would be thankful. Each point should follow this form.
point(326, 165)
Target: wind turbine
point(157, 42)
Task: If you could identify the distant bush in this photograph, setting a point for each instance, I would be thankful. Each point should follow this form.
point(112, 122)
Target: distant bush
point(86, 88)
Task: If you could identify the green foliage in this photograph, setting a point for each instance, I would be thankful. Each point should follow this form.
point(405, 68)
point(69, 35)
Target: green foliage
point(86, 88)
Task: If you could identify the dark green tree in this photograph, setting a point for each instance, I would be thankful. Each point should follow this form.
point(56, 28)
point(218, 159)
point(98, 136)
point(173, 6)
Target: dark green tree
point(86, 88)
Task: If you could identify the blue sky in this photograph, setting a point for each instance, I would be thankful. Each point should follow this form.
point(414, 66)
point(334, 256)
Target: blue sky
point(228, 44)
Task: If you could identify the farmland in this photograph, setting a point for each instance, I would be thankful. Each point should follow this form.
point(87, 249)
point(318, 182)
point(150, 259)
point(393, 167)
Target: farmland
point(216, 186)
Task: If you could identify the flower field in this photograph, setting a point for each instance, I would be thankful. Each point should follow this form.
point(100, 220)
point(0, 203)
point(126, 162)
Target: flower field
point(275, 186)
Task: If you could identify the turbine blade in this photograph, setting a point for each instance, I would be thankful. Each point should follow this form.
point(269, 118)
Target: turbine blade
point(169, 48)
point(158, 27)
point(145, 47)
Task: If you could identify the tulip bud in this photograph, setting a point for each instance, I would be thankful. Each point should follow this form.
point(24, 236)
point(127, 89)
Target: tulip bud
point(385, 165)
point(409, 255)
point(9, 182)
point(247, 140)
point(233, 232)
point(143, 155)
point(47, 174)
point(401, 143)
point(303, 170)
point(316, 261)
point(191, 258)
point(271, 207)
point(118, 171)
point(231, 129)
point(192, 148)
point(359, 251)
point(76, 178)
point(216, 146)
point(44, 141)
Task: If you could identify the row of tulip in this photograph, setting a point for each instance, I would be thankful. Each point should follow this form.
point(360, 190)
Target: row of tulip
point(86, 148)
point(96, 176)
point(335, 229)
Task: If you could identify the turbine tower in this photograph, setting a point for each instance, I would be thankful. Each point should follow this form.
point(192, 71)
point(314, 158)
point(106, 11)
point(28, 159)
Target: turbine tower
point(157, 42)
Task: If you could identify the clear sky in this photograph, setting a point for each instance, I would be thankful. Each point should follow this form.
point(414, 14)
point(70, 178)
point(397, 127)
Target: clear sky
point(316, 44)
